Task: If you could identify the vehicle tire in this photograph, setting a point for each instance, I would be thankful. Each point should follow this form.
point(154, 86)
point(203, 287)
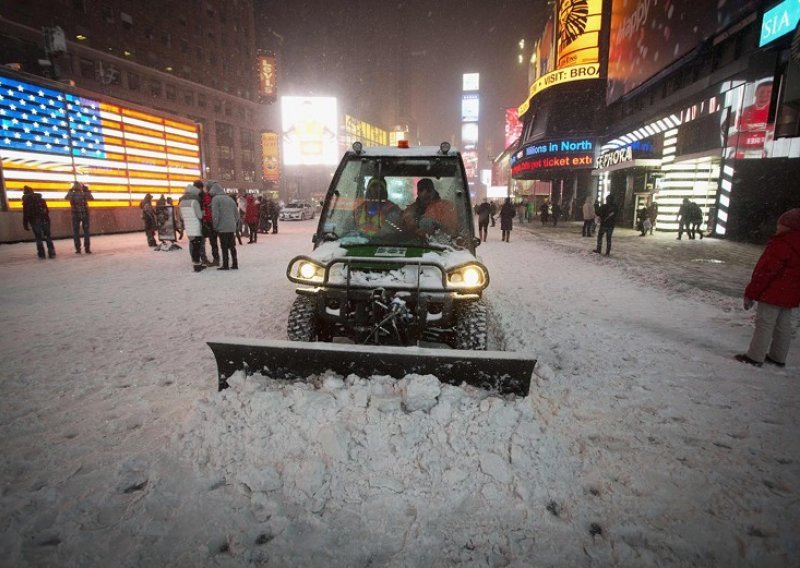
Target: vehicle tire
point(470, 328)
point(302, 325)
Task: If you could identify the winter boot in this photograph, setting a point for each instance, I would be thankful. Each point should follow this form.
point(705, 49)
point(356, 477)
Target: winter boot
point(199, 267)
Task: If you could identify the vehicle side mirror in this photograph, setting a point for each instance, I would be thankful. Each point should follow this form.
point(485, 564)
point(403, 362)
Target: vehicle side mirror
point(314, 238)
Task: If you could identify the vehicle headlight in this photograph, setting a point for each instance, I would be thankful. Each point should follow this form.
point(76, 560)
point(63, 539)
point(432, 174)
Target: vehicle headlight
point(305, 271)
point(469, 276)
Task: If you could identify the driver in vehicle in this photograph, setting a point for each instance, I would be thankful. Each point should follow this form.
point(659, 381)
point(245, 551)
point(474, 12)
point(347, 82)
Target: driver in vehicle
point(430, 213)
point(376, 214)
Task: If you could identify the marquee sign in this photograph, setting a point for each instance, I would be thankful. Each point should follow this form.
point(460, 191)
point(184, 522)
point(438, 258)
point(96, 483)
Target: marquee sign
point(554, 154)
point(576, 73)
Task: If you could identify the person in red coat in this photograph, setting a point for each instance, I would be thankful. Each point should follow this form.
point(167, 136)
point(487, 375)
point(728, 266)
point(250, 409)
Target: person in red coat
point(251, 215)
point(775, 285)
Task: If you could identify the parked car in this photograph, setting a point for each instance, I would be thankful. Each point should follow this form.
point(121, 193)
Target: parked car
point(297, 211)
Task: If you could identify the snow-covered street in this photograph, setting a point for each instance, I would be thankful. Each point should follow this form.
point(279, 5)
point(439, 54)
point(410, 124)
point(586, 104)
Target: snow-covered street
point(642, 442)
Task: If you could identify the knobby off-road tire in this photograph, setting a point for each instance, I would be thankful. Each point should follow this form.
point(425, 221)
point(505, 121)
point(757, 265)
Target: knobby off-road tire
point(470, 328)
point(302, 325)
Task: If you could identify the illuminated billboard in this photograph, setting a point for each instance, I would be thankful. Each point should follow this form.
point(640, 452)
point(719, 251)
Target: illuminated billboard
point(513, 127)
point(579, 23)
point(470, 107)
point(750, 126)
point(469, 133)
point(270, 162)
point(471, 81)
point(267, 77)
point(647, 37)
point(308, 131)
point(577, 52)
point(356, 130)
point(51, 138)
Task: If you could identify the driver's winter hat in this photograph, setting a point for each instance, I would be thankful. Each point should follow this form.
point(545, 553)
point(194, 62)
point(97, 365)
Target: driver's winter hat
point(425, 184)
point(791, 219)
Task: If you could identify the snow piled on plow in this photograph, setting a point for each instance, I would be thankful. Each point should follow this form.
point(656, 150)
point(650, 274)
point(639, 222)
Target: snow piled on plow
point(381, 462)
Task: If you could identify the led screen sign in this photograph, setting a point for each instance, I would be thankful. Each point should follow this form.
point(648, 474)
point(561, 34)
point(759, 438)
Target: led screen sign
point(577, 52)
point(648, 35)
point(554, 154)
point(577, 73)
point(513, 127)
point(470, 107)
point(364, 132)
point(779, 21)
point(471, 81)
point(309, 126)
point(469, 132)
point(51, 138)
point(579, 23)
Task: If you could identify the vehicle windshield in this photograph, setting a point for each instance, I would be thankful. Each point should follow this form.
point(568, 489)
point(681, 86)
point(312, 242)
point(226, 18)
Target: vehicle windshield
point(294, 206)
point(376, 201)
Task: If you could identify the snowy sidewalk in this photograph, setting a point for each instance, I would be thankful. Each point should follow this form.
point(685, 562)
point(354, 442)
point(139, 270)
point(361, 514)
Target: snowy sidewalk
point(709, 264)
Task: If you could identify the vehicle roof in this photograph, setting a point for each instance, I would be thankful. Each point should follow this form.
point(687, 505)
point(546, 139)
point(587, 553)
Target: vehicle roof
point(412, 152)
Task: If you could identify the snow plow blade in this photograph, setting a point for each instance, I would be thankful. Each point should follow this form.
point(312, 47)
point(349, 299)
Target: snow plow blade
point(500, 371)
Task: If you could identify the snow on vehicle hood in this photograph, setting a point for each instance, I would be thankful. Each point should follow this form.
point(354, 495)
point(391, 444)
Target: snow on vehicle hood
point(327, 252)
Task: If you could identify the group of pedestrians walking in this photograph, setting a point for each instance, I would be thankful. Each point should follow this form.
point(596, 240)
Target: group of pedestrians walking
point(486, 212)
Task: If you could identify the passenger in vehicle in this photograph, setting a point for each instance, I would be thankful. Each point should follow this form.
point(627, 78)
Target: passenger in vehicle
point(375, 214)
point(430, 213)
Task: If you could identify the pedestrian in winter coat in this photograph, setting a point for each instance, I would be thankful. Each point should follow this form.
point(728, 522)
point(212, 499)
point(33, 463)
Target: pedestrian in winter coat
point(775, 285)
point(683, 219)
point(79, 197)
point(484, 213)
point(208, 225)
point(642, 221)
point(652, 214)
point(150, 220)
point(695, 220)
point(492, 211)
point(36, 217)
point(608, 220)
point(192, 214)
point(556, 213)
point(507, 213)
point(588, 217)
point(251, 215)
point(241, 202)
point(224, 217)
point(274, 212)
point(544, 212)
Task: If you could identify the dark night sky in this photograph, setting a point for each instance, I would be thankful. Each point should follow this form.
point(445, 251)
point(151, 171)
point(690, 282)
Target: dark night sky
point(361, 51)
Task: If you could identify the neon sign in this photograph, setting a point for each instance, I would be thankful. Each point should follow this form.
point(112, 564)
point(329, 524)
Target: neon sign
point(51, 138)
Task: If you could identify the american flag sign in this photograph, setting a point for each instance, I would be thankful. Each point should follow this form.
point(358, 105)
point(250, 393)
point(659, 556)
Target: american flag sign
point(51, 138)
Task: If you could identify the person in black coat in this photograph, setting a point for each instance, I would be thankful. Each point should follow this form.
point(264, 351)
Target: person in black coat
point(150, 220)
point(36, 216)
point(608, 219)
point(507, 213)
